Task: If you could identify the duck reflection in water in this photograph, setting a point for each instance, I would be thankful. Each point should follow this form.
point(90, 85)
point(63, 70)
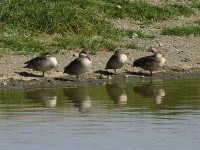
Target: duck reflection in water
point(117, 93)
point(80, 99)
point(45, 96)
point(151, 90)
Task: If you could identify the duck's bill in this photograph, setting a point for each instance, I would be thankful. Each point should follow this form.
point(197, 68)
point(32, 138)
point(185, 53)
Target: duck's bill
point(88, 57)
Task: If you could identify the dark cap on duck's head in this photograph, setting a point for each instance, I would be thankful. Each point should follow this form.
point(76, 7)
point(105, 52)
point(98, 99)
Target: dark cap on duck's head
point(118, 51)
point(47, 54)
point(152, 49)
point(158, 54)
point(84, 53)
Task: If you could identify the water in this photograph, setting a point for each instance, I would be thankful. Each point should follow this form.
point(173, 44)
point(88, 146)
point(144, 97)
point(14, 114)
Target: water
point(136, 115)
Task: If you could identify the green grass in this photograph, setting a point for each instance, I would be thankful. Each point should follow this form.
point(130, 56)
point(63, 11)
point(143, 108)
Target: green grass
point(29, 42)
point(22, 44)
point(196, 4)
point(81, 17)
point(145, 12)
point(25, 25)
point(73, 42)
point(197, 22)
point(184, 30)
point(131, 46)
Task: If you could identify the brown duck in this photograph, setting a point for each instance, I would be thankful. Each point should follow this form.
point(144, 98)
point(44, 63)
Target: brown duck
point(42, 63)
point(151, 63)
point(116, 61)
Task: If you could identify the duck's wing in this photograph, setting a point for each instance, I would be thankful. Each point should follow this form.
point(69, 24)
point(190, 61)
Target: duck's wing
point(35, 62)
point(113, 59)
point(73, 66)
point(145, 62)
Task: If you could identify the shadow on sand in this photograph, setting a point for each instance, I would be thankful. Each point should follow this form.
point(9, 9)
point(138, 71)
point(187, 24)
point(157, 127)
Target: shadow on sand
point(139, 73)
point(104, 72)
point(27, 74)
point(64, 79)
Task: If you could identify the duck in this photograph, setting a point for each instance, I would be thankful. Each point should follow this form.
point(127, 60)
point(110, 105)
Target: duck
point(47, 97)
point(151, 63)
point(79, 65)
point(116, 61)
point(80, 98)
point(151, 90)
point(117, 94)
point(42, 63)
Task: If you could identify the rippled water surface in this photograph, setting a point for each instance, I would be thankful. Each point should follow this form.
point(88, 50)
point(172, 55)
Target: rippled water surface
point(140, 115)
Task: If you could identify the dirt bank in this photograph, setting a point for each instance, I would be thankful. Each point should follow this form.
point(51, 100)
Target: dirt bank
point(181, 62)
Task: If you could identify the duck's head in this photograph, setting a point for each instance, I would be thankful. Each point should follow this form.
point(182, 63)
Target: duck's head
point(153, 50)
point(47, 54)
point(157, 54)
point(84, 54)
point(118, 51)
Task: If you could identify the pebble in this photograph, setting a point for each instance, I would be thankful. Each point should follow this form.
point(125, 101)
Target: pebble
point(142, 76)
point(126, 76)
point(134, 35)
point(142, 26)
point(50, 81)
point(118, 6)
point(4, 83)
point(186, 60)
point(161, 44)
point(110, 77)
point(75, 55)
point(151, 48)
point(101, 76)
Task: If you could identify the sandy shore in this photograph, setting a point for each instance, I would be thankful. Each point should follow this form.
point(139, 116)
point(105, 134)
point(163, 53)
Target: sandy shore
point(181, 62)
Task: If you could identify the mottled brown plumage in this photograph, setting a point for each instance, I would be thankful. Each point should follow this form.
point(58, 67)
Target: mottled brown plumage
point(151, 63)
point(116, 61)
point(42, 63)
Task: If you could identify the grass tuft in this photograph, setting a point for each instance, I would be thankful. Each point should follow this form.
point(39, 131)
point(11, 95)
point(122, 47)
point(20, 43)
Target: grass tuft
point(131, 46)
point(74, 42)
point(143, 11)
point(196, 4)
point(182, 30)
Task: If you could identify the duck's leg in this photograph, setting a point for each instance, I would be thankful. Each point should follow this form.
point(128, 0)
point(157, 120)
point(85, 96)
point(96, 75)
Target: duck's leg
point(115, 71)
point(151, 73)
point(77, 78)
point(42, 74)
